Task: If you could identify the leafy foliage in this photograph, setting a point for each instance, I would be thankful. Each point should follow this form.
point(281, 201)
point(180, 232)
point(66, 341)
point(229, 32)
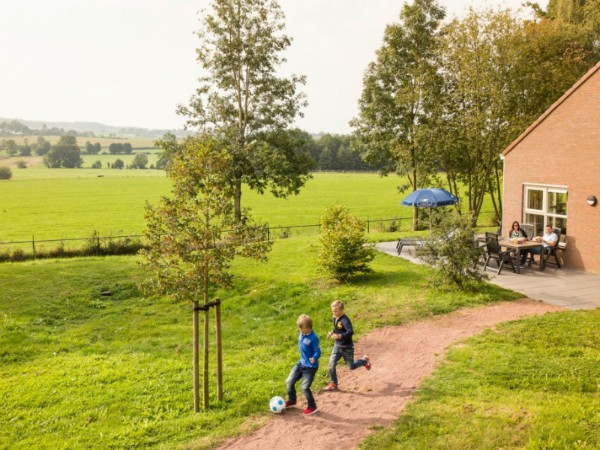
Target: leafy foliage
point(65, 153)
point(451, 248)
point(5, 173)
point(398, 95)
point(244, 103)
point(345, 251)
point(193, 235)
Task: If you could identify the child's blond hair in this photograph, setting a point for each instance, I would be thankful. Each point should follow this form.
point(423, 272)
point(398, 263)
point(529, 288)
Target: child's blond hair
point(304, 321)
point(339, 304)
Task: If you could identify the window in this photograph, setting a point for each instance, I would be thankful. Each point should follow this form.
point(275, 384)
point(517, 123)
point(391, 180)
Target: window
point(545, 205)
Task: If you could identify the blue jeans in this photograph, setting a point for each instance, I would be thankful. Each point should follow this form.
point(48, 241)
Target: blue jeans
point(348, 355)
point(308, 375)
point(533, 251)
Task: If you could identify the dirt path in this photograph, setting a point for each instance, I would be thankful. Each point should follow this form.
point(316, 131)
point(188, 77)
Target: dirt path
point(401, 357)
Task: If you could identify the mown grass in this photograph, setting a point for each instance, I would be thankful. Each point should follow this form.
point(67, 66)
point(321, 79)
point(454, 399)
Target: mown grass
point(72, 203)
point(82, 370)
point(532, 383)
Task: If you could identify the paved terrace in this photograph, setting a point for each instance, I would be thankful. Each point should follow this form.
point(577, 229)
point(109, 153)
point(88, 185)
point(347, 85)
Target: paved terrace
point(560, 287)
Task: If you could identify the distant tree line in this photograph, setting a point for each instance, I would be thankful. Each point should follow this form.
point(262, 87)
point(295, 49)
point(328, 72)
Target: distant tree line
point(15, 127)
point(338, 152)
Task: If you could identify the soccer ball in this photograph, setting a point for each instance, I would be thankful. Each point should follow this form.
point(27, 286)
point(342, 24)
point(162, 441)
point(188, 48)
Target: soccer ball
point(277, 405)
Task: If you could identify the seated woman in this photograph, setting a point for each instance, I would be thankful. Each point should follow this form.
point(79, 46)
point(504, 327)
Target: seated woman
point(516, 231)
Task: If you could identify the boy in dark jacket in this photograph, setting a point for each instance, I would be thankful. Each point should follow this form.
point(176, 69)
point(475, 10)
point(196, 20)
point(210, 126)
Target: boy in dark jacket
point(343, 346)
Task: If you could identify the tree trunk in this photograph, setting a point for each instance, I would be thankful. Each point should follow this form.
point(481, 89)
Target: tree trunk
point(219, 350)
point(196, 355)
point(237, 199)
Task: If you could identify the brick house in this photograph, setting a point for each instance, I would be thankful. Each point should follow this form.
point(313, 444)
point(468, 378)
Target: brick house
point(552, 173)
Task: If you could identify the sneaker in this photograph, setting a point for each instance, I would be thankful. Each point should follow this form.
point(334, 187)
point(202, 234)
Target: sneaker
point(330, 387)
point(289, 404)
point(308, 411)
point(368, 364)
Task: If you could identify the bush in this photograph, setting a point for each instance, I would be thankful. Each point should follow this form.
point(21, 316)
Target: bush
point(451, 248)
point(5, 173)
point(97, 165)
point(345, 251)
point(21, 164)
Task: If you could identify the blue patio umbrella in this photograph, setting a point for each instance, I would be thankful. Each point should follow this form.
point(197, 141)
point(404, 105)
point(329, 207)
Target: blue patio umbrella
point(429, 198)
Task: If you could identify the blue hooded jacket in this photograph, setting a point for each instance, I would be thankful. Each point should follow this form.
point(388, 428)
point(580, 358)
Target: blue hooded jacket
point(309, 348)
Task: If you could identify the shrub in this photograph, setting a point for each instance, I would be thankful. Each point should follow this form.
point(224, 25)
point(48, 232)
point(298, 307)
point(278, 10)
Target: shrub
point(97, 165)
point(452, 249)
point(345, 251)
point(21, 164)
point(5, 173)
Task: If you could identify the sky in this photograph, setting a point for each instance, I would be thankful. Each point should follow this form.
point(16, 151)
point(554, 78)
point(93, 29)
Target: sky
point(131, 62)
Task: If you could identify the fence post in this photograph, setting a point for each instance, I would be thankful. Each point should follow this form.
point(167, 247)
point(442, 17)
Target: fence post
point(33, 245)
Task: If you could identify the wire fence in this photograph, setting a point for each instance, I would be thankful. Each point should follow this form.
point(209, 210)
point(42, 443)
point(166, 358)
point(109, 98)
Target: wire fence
point(131, 243)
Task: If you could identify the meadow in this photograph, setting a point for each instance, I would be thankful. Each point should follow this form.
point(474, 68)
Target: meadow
point(72, 203)
point(82, 370)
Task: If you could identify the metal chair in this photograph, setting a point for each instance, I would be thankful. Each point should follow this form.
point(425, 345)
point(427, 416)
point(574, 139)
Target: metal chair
point(528, 229)
point(547, 252)
point(494, 251)
point(554, 250)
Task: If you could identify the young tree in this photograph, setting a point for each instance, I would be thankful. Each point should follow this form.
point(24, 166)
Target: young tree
point(242, 101)
point(398, 93)
point(193, 238)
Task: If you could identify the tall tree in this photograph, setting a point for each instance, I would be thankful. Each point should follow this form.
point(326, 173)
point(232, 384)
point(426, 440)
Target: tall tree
point(65, 153)
point(193, 238)
point(396, 98)
point(500, 73)
point(241, 99)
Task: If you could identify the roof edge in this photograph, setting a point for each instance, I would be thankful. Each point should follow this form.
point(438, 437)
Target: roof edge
point(555, 105)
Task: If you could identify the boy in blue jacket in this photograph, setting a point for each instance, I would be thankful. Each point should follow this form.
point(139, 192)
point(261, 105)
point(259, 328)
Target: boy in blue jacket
point(306, 368)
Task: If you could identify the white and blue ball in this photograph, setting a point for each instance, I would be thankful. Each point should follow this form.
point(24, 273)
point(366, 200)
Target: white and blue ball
point(277, 405)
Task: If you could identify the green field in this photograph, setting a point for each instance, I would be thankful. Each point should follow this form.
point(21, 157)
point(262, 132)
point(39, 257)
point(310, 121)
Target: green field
point(71, 203)
point(82, 370)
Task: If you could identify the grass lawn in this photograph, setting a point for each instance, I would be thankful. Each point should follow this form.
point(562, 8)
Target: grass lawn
point(533, 384)
point(81, 370)
point(71, 203)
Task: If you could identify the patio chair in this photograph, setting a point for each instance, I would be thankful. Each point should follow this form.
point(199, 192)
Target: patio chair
point(552, 251)
point(494, 251)
point(528, 229)
point(407, 242)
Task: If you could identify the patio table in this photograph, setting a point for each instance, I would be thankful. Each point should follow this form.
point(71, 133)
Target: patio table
point(527, 245)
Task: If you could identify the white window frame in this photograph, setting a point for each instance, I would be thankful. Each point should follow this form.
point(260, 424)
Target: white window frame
point(546, 189)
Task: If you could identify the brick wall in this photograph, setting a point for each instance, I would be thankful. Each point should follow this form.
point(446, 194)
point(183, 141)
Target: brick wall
point(563, 149)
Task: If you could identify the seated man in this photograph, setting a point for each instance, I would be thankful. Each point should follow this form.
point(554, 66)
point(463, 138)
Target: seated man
point(549, 239)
